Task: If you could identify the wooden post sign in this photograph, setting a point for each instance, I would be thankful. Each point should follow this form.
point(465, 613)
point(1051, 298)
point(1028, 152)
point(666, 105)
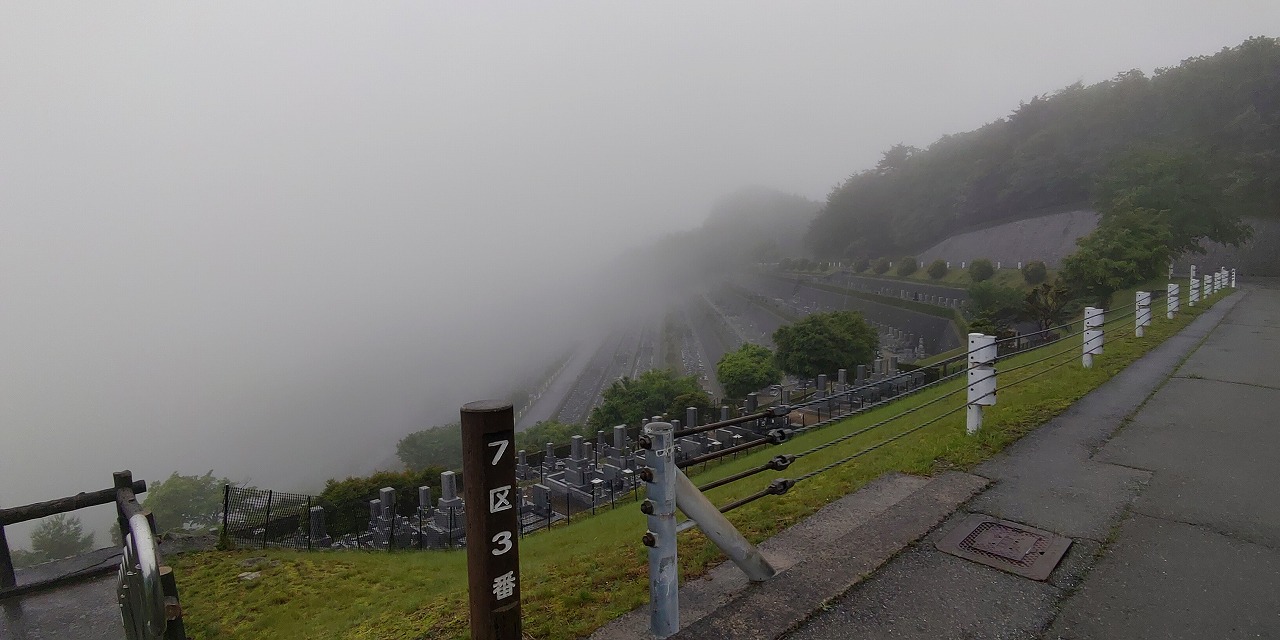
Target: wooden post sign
point(493, 519)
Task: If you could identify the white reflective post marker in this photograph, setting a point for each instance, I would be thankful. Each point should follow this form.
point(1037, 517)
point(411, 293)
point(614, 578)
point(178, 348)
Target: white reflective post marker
point(982, 379)
point(1093, 337)
point(1193, 291)
point(1171, 298)
point(1142, 315)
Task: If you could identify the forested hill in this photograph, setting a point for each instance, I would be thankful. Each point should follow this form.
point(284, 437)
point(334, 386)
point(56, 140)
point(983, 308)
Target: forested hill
point(1219, 115)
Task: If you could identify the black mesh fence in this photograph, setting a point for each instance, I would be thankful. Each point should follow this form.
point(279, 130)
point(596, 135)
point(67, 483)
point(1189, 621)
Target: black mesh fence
point(265, 518)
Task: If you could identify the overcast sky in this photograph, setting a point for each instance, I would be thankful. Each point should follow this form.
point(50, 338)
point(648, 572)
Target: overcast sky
point(277, 236)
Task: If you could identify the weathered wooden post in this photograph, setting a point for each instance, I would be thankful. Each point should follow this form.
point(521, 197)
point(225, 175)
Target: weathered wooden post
point(492, 498)
point(7, 578)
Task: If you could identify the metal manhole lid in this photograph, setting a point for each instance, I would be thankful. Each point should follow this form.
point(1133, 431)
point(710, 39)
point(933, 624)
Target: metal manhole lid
point(1008, 546)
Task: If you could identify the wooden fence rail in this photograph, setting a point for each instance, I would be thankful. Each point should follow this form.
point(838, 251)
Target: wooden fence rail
point(14, 515)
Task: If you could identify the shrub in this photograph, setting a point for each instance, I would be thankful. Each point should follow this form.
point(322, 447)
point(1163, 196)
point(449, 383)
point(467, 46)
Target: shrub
point(1034, 272)
point(937, 269)
point(981, 269)
point(881, 266)
point(907, 266)
point(861, 264)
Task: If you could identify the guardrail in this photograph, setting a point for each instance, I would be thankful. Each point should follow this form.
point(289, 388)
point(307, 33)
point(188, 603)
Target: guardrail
point(14, 515)
point(667, 488)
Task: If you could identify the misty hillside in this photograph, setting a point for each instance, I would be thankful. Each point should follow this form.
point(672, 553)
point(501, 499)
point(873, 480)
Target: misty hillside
point(1223, 109)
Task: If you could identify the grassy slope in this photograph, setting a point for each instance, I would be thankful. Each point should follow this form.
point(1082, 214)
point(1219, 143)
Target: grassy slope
point(566, 595)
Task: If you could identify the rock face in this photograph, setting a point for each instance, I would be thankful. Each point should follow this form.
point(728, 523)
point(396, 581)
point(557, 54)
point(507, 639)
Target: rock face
point(1049, 238)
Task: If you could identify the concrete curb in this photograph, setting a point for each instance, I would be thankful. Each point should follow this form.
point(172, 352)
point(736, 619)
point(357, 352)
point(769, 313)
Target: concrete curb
point(767, 610)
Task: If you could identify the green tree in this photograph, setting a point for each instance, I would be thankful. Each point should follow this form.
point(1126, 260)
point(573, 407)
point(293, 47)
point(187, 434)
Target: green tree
point(861, 264)
point(825, 343)
point(1034, 272)
point(1215, 117)
point(981, 269)
point(881, 266)
point(1180, 190)
point(656, 392)
point(346, 501)
point(1125, 250)
point(1049, 303)
point(1000, 306)
point(749, 368)
point(22, 558)
point(907, 266)
point(186, 502)
point(938, 269)
point(434, 447)
point(60, 536)
point(535, 437)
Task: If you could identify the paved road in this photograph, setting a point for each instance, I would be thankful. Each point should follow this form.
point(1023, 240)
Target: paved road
point(1174, 516)
point(84, 611)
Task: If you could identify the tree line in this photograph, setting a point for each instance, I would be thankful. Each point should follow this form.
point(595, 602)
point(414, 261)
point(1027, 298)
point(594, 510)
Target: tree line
point(1210, 124)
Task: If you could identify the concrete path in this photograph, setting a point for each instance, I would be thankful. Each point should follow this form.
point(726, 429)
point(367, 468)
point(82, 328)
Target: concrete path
point(1172, 506)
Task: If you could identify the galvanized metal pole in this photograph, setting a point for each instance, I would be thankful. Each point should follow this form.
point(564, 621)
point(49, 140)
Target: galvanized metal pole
point(664, 579)
point(720, 530)
point(491, 494)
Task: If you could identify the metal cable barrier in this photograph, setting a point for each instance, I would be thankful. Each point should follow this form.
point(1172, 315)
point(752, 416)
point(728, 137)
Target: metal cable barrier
point(667, 487)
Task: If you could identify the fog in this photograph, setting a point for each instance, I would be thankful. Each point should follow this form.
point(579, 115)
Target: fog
point(270, 239)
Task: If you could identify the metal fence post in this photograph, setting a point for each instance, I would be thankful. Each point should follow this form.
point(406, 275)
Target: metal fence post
point(660, 506)
point(982, 379)
point(226, 508)
point(1171, 299)
point(722, 532)
point(1142, 313)
point(492, 499)
point(266, 524)
point(1093, 336)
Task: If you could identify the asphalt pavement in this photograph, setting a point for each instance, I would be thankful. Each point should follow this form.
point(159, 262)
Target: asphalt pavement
point(1163, 479)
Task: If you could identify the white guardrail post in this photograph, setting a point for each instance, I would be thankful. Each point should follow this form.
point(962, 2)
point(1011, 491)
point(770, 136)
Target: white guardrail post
point(1142, 315)
point(1171, 299)
point(1193, 289)
point(1233, 278)
point(1093, 319)
point(982, 379)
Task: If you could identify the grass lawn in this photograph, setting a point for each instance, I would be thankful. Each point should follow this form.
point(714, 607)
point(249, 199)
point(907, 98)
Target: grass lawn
point(578, 577)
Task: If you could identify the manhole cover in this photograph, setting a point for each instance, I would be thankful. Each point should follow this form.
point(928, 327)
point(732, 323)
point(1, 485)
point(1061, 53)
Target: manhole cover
point(1005, 545)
